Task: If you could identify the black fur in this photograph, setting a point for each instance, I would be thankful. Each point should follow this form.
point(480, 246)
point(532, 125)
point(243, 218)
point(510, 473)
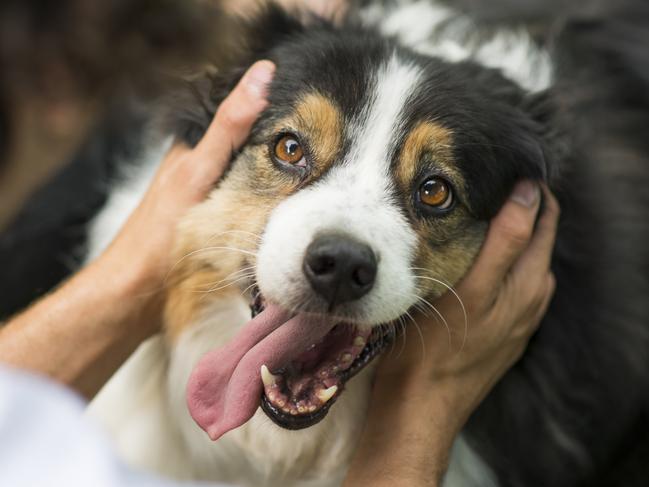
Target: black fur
point(45, 242)
point(573, 412)
point(495, 150)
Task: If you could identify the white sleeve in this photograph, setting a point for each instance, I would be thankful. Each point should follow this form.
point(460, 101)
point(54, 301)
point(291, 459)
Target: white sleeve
point(46, 440)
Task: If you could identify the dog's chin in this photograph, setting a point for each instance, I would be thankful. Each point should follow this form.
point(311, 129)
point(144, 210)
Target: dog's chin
point(301, 393)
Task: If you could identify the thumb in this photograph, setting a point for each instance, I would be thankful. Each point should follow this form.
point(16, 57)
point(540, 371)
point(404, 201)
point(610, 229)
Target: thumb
point(235, 117)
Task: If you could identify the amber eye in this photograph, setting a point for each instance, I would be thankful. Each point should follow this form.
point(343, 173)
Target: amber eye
point(289, 151)
point(436, 193)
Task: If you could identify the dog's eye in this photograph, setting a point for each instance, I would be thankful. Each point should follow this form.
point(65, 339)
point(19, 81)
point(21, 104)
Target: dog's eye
point(289, 151)
point(436, 193)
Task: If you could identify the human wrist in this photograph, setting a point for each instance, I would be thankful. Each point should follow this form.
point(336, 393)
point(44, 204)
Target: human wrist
point(412, 425)
point(135, 287)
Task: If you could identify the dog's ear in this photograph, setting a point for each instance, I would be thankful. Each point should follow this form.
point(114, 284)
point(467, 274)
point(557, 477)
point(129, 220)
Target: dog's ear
point(547, 132)
point(515, 141)
point(238, 43)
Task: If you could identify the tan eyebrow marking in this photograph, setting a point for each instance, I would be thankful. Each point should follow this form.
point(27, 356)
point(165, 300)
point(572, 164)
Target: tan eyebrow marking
point(318, 117)
point(425, 137)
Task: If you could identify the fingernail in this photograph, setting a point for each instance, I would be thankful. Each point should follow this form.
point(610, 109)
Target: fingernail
point(526, 193)
point(259, 77)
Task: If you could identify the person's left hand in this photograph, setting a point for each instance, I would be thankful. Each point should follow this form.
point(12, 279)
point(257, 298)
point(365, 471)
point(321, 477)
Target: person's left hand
point(184, 179)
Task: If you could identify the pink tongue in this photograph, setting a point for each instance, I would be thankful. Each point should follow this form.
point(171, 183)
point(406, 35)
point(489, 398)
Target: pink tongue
point(225, 387)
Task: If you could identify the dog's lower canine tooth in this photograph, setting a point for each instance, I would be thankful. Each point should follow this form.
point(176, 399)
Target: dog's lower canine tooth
point(267, 378)
point(359, 342)
point(326, 394)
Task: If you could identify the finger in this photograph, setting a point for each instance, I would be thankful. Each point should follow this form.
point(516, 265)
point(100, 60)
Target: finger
point(535, 260)
point(531, 319)
point(235, 117)
point(509, 234)
point(177, 150)
point(550, 288)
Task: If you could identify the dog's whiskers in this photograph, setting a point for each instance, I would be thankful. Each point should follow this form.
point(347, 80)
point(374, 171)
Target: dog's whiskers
point(256, 237)
point(419, 332)
point(208, 249)
point(249, 287)
point(224, 286)
point(457, 296)
point(441, 317)
point(245, 272)
point(425, 311)
point(402, 326)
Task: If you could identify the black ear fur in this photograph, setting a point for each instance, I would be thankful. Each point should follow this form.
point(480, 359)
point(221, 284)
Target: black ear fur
point(191, 107)
point(513, 142)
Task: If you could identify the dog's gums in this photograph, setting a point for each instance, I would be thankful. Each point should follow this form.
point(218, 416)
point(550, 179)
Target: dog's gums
point(300, 394)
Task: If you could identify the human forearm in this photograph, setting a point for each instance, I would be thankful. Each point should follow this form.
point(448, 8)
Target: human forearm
point(81, 333)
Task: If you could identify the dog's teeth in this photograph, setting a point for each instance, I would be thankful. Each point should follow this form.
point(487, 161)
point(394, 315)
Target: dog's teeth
point(326, 394)
point(346, 357)
point(312, 409)
point(267, 378)
point(359, 342)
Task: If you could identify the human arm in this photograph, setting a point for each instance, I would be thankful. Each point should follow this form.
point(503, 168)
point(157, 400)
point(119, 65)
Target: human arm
point(82, 332)
point(421, 400)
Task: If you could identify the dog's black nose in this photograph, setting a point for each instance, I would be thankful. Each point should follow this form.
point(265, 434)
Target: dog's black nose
point(339, 268)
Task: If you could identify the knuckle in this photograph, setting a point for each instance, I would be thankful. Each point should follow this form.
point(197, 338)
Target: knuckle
point(526, 328)
point(516, 231)
point(539, 297)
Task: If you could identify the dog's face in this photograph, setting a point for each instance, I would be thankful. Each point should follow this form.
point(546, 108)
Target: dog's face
point(364, 191)
point(377, 212)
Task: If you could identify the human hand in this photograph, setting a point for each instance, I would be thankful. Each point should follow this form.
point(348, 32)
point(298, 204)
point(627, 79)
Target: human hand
point(497, 306)
point(424, 394)
point(328, 9)
point(142, 249)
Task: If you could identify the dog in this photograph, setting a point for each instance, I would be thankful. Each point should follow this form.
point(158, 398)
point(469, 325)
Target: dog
point(365, 189)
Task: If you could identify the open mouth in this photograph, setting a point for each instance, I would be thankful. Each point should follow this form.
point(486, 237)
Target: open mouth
point(302, 392)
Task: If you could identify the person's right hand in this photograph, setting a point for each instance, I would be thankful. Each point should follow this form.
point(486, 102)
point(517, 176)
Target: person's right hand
point(424, 394)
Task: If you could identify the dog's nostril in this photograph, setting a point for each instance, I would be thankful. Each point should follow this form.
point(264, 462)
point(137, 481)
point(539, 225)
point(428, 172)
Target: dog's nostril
point(339, 268)
point(364, 275)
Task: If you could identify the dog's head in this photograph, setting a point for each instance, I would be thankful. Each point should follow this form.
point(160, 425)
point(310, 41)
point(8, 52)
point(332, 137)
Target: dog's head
point(365, 188)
